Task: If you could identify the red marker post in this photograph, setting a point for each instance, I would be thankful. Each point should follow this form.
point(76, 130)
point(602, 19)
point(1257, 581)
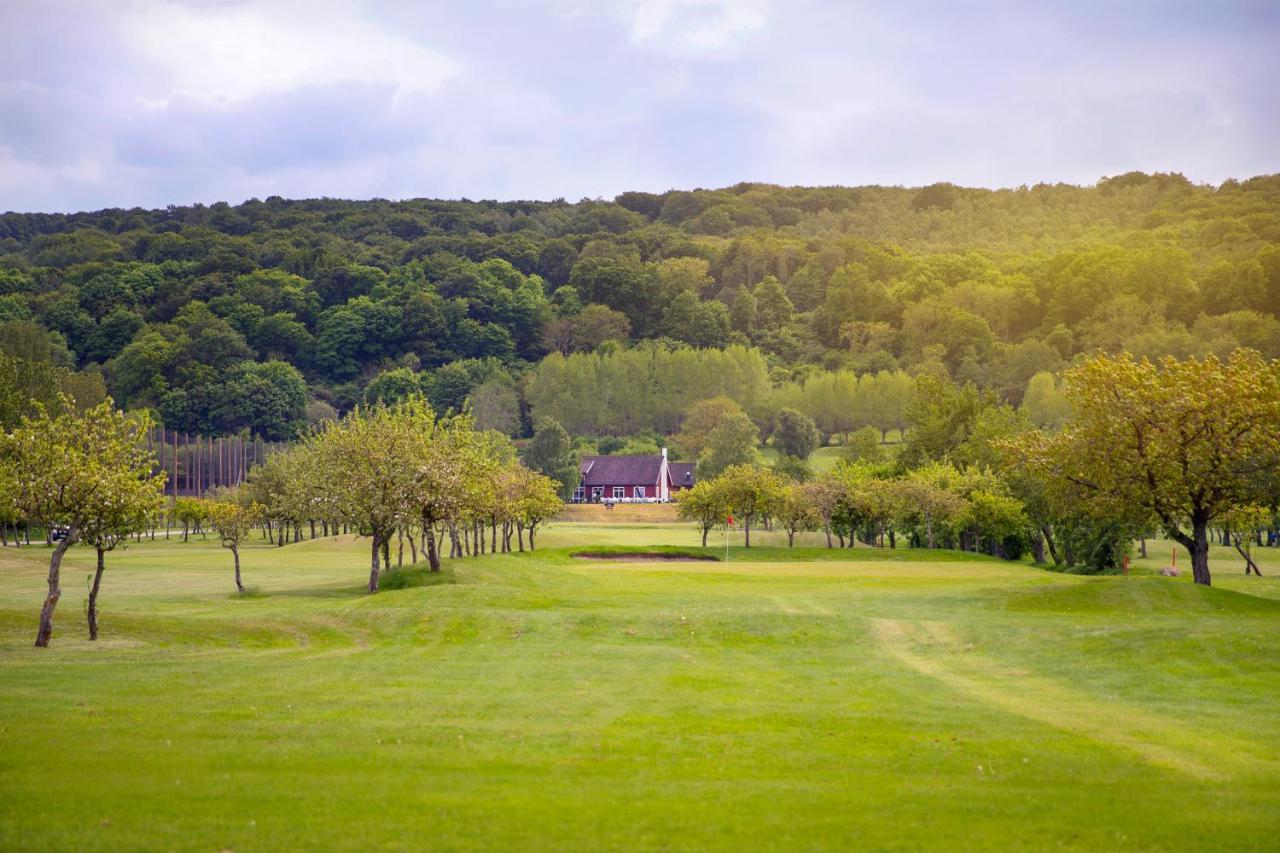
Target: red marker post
point(728, 522)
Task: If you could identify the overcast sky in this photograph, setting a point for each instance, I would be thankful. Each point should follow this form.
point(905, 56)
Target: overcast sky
point(143, 102)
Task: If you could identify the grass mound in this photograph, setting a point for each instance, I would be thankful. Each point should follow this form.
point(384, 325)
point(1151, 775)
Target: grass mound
point(408, 577)
point(1146, 595)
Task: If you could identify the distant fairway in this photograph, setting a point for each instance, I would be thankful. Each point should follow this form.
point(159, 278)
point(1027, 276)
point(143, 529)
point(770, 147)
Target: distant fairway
point(815, 698)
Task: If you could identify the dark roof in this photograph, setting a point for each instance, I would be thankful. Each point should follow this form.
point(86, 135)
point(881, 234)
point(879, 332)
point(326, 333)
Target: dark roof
point(681, 473)
point(620, 470)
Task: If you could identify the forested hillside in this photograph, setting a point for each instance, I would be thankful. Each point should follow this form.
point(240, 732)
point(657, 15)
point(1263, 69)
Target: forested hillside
point(270, 314)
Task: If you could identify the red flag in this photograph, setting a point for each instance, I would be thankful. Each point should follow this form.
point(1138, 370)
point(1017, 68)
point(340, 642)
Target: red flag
point(730, 520)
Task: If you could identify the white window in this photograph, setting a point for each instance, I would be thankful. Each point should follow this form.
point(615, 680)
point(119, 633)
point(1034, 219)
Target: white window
point(597, 492)
point(579, 495)
point(619, 492)
point(639, 492)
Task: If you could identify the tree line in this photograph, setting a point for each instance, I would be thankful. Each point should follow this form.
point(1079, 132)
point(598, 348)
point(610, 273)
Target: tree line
point(1185, 448)
point(274, 315)
point(398, 473)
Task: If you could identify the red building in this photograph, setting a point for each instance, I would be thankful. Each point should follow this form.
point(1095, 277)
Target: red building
point(631, 478)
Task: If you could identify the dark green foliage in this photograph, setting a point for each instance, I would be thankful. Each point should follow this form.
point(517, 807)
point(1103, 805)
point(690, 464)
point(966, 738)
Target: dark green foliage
point(1091, 546)
point(550, 452)
point(988, 287)
point(795, 434)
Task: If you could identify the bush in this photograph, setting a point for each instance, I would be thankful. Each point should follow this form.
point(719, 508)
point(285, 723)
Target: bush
point(1094, 547)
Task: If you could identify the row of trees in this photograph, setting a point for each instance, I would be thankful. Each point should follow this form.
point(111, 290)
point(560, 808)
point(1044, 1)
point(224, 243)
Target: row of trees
point(1186, 448)
point(937, 506)
point(388, 472)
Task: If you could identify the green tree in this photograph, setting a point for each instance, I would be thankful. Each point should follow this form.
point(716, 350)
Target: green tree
point(234, 522)
point(367, 462)
point(64, 468)
point(1188, 442)
point(749, 492)
point(742, 313)
point(732, 442)
point(550, 452)
point(1044, 404)
point(773, 308)
point(795, 435)
point(704, 504)
point(128, 500)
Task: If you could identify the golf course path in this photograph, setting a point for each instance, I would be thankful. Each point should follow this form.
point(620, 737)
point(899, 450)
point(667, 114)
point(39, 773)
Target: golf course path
point(933, 649)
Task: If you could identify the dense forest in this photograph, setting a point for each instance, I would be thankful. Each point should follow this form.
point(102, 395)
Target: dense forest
point(614, 317)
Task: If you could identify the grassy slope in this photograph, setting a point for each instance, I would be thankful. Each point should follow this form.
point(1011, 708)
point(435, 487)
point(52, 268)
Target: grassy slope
point(883, 699)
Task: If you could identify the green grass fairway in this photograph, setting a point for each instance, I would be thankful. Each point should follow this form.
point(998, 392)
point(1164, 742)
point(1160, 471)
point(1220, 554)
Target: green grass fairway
point(787, 699)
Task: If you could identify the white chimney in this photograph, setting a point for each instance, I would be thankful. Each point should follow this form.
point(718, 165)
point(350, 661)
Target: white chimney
point(664, 453)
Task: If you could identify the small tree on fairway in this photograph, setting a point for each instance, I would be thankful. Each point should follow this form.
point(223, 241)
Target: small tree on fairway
point(368, 461)
point(749, 492)
point(794, 511)
point(535, 500)
point(190, 511)
point(1187, 442)
point(234, 522)
point(63, 466)
point(704, 504)
point(126, 504)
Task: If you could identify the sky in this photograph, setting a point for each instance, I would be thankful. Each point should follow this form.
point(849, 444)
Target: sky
point(156, 102)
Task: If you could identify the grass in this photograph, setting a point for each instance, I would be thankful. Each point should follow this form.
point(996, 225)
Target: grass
point(782, 699)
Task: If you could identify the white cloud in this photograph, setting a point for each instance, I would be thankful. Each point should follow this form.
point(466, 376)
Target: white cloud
point(693, 26)
point(232, 53)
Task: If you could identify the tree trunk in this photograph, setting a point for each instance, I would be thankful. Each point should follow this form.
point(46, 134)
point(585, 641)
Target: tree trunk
point(827, 529)
point(235, 555)
point(520, 535)
point(1037, 548)
point(386, 553)
point(399, 547)
point(92, 611)
point(531, 526)
point(1142, 547)
point(413, 549)
point(433, 556)
point(791, 538)
point(1048, 541)
point(1250, 567)
point(373, 568)
point(746, 531)
point(55, 588)
point(928, 530)
point(705, 530)
point(1198, 546)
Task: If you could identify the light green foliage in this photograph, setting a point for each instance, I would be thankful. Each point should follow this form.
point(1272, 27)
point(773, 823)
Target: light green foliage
point(749, 492)
point(644, 389)
point(1186, 443)
point(88, 471)
point(864, 445)
point(1044, 404)
point(732, 441)
point(550, 452)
